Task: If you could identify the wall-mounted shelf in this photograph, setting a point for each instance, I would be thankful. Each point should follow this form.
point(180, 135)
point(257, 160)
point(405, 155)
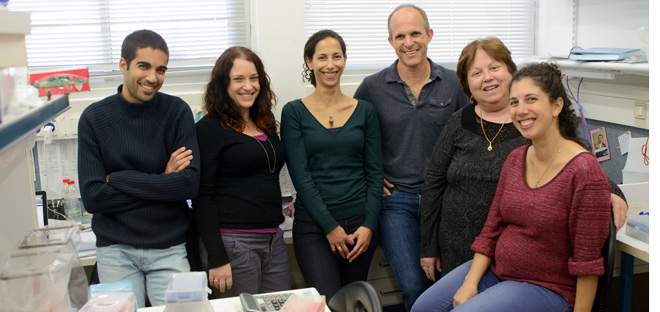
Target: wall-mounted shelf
point(15, 130)
point(597, 70)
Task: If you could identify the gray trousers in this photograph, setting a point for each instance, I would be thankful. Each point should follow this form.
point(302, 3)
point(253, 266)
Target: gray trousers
point(259, 263)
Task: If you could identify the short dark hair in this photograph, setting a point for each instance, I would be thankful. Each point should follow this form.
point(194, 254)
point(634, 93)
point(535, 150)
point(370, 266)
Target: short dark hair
point(310, 47)
point(548, 77)
point(494, 47)
point(142, 39)
point(421, 11)
point(219, 105)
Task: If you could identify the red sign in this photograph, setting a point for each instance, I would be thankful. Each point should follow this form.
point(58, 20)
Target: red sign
point(59, 82)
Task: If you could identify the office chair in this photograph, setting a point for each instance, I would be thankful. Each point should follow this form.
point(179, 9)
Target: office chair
point(605, 281)
point(357, 296)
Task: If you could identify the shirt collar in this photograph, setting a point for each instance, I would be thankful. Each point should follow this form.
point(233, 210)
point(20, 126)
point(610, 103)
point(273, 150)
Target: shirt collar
point(392, 75)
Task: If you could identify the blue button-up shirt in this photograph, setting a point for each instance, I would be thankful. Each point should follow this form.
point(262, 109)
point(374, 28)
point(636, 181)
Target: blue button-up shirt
point(410, 126)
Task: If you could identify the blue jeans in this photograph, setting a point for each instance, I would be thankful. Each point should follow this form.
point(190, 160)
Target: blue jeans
point(153, 266)
point(494, 295)
point(400, 239)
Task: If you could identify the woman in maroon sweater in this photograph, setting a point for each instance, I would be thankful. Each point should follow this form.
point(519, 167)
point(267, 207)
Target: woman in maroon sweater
point(540, 249)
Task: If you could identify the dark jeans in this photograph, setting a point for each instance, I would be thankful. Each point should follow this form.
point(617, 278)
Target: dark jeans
point(321, 268)
point(400, 239)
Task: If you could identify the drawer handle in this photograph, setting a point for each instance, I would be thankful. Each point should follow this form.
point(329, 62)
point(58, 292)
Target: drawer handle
point(389, 292)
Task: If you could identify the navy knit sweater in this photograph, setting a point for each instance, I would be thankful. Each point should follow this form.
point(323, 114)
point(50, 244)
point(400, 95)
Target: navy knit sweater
point(140, 206)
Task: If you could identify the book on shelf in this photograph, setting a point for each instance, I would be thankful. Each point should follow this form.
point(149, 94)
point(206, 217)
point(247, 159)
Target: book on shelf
point(604, 54)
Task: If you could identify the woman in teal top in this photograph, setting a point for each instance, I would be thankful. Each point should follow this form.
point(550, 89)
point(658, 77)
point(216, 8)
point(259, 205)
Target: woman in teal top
point(334, 159)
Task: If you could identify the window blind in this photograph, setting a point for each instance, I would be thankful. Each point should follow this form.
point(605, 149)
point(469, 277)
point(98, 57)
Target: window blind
point(363, 25)
point(90, 32)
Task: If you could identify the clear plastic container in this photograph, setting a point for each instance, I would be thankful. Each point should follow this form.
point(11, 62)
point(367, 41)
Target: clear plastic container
point(36, 280)
point(110, 302)
point(186, 287)
point(58, 234)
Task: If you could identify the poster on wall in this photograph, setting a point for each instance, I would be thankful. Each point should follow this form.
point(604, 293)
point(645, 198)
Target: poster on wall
point(600, 147)
point(61, 81)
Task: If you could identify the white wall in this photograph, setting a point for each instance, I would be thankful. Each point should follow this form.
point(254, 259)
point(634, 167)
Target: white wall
point(561, 24)
point(277, 30)
point(613, 23)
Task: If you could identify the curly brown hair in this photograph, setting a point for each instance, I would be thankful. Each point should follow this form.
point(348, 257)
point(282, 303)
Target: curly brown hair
point(548, 77)
point(219, 105)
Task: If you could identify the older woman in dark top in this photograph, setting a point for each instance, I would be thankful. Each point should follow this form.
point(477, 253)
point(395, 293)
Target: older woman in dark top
point(465, 166)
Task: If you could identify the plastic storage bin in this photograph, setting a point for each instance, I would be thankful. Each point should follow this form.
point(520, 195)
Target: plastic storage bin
point(186, 287)
point(110, 302)
point(59, 234)
point(187, 292)
point(36, 280)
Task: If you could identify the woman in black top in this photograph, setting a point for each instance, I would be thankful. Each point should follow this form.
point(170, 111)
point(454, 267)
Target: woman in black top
point(238, 209)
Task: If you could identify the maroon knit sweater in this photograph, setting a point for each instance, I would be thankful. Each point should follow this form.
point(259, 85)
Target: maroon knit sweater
point(548, 235)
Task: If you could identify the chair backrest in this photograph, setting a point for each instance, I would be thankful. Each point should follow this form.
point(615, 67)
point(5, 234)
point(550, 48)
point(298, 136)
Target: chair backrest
point(605, 281)
point(357, 296)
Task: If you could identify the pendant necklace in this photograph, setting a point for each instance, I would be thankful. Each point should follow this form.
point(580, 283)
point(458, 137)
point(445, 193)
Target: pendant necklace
point(546, 169)
point(490, 141)
point(271, 169)
point(331, 121)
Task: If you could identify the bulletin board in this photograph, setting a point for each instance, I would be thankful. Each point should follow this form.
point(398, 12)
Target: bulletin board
point(615, 164)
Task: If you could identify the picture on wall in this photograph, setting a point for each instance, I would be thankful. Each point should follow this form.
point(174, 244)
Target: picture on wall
point(599, 145)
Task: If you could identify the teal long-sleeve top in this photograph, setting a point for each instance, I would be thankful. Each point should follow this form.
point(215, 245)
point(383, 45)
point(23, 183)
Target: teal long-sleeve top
point(337, 173)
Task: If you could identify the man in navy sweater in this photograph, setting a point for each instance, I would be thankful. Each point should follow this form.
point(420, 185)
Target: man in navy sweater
point(136, 168)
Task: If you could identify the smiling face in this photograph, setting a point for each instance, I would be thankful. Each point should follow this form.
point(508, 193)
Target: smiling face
point(409, 37)
point(488, 80)
point(532, 111)
point(144, 76)
point(243, 86)
point(327, 63)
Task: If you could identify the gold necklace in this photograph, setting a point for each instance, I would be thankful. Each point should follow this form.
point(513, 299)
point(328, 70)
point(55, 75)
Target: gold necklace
point(331, 121)
point(490, 142)
point(546, 169)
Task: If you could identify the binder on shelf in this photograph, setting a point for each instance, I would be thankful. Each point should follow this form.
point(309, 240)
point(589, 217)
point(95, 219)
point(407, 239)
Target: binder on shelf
point(604, 54)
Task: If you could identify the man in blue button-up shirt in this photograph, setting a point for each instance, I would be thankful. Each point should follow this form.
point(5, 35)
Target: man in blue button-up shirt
point(414, 98)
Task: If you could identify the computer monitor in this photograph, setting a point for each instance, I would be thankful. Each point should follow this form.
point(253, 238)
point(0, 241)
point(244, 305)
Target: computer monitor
point(42, 208)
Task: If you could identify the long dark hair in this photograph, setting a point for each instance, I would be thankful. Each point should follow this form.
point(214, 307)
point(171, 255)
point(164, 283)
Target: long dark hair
point(219, 105)
point(310, 47)
point(547, 76)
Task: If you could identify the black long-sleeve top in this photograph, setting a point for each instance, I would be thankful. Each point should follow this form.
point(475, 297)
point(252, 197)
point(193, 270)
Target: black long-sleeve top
point(130, 144)
point(237, 188)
